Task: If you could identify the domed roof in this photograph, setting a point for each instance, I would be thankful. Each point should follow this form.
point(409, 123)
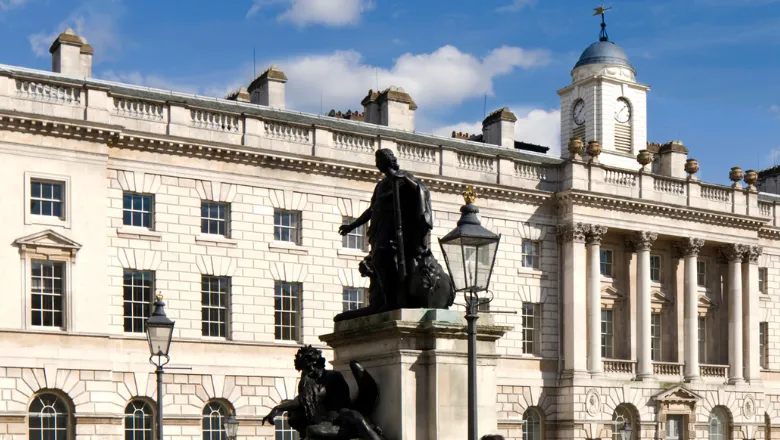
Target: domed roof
point(604, 52)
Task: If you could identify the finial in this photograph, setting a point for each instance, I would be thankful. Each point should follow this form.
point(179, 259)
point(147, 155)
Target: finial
point(159, 295)
point(470, 196)
point(600, 11)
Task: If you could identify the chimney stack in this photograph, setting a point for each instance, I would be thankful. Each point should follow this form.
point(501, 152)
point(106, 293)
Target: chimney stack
point(498, 128)
point(71, 55)
point(392, 107)
point(240, 95)
point(268, 88)
point(671, 159)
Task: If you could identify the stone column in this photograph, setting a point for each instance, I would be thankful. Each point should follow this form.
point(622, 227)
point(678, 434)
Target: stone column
point(574, 293)
point(593, 239)
point(643, 241)
point(689, 248)
point(733, 254)
point(750, 311)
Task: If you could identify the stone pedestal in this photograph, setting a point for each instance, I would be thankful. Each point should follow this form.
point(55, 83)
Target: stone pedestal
point(419, 359)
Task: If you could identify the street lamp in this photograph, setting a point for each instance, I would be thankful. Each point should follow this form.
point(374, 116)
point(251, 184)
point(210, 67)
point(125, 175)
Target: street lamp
point(159, 331)
point(625, 431)
point(470, 252)
point(231, 427)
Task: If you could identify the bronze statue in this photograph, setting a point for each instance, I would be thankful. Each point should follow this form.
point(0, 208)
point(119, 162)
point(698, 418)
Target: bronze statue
point(402, 269)
point(323, 409)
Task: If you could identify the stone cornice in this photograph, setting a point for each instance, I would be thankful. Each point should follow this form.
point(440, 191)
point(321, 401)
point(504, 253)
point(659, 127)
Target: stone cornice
point(617, 203)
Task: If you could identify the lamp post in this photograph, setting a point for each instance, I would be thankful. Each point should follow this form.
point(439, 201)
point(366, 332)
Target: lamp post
point(231, 427)
point(470, 252)
point(159, 331)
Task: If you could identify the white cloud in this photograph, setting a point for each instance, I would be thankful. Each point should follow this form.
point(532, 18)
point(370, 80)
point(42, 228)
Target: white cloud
point(516, 5)
point(333, 13)
point(534, 126)
point(96, 21)
point(444, 77)
point(774, 108)
point(10, 4)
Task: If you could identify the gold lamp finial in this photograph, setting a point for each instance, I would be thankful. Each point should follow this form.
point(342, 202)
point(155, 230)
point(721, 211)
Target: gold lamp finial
point(159, 295)
point(470, 196)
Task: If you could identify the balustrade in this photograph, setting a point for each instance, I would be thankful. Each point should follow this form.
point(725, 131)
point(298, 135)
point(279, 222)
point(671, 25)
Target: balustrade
point(215, 121)
point(417, 153)
point(666, 185)
point(667, 369)
point(135, 108)
point(716, 193)
point(619, 366)
point(49, 92)
point(765, 208)
point(475, 163)
point(286, 132)
point(619, 177)
point(530, 171)
point(718, 371)
point(353, 142)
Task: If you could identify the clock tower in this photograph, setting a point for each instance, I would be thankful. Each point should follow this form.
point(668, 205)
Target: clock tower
point(605, 103)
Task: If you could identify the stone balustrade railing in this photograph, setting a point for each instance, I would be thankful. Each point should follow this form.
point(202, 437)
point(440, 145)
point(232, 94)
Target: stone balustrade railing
point(708, 371)
point(619, 366)
point(667, 369)
point(205, 121)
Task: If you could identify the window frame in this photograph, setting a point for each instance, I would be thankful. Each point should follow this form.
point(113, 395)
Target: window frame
point(297, 229)
point(223, 412)
point(225, 326)
point(279, 326)
point(717, 419)
point(346, 303)
point(702, 339)
point(362, 235)
point(208, 220)
point(151, 197)
point(763, 344)
point(535, 330)
point(535, 258)
point(701, 277)
point(607, 337)
point(603, 264)
point(622, 414)
point(660, 259)
point(34, 219)
point(282, 426)
point(150, 304)
point(148, 434)
point(69, 431)
point(763, 282)
point(531, 418)
point(656, 337)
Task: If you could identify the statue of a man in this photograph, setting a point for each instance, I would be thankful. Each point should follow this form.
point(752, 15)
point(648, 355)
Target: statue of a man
point(402, 269)
point(323, 409)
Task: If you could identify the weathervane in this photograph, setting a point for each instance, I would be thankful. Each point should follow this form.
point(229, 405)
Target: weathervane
point(600, 11)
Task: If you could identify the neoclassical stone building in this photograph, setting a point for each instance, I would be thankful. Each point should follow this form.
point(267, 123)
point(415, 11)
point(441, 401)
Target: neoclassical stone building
point(644, 298)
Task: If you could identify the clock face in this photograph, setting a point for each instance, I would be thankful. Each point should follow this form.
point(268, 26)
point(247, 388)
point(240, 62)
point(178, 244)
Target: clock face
point(622, 111)
point(579, 112)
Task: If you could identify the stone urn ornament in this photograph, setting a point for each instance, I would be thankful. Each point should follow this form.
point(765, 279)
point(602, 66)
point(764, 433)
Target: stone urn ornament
point(576, 147)
point(691, 167)
point(751, 177)
point(594, 149)
point(644, 157)
point(735, 175)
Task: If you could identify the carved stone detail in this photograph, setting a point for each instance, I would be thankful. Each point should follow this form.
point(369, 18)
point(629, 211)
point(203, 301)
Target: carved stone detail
point(643, 240)
point(573, 232)
point(593, 402)
point(752, 254)
point(595, 234)
point(749, 407)
point(732, 252)
point(689, 246)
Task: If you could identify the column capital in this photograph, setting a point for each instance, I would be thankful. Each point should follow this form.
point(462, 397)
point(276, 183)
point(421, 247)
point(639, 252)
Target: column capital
point(595, 234)
point(573, 232)
point(732, 252)
point(643, 240)
point(689, 247)
point(752, 253)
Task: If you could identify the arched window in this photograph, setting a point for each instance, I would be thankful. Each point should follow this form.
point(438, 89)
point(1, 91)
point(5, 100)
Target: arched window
point(139, 421)
point(717, 425)
point(49, 418)
point(532, 425)
point(622, 419)
point(214, 417)
point(283, 430)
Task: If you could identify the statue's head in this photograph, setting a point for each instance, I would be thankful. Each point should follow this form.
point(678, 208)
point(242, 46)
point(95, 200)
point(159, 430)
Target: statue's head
point(385, 159)
point(309, 359)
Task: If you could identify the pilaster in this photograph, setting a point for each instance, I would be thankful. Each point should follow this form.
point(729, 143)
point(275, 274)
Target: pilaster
point(593, 239)
point(643, 241)
point(750, 313)
point(733, 254)
point(572, 237)
point(689, 248)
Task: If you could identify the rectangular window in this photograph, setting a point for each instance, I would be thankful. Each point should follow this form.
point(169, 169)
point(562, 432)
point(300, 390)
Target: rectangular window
point(607, 338)
point(655, 268)
point(137, 210)
point(287, 311)
point(702, 340)
point(530, 253)
point(287, 226)
point(283, 430)
point(763, 344)
point(356, 239)
point(655, 337)
point(353, 298)
point(214, 305)
point(138, 287)
point(47, 287)
point(762, 280)
point(531, 327)
point(214, 218)
point(46, 198)
point(606, 262)
point(701, 273)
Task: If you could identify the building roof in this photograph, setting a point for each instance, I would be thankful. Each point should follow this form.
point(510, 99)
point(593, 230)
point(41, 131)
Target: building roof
point(604, 52)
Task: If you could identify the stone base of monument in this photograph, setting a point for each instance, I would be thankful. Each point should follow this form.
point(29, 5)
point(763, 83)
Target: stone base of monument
point(419, 359)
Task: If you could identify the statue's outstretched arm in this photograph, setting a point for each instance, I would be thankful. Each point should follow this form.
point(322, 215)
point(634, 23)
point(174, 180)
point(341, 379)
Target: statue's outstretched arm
point(362, 220)
point(287, 405)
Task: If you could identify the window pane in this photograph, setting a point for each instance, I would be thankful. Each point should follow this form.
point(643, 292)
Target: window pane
point(46, 293)
point(214, 306)
point(286, 227)
point(287, 309)
point(137, 288)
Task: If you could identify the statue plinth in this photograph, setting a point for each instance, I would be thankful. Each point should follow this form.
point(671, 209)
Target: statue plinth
point(419, 359)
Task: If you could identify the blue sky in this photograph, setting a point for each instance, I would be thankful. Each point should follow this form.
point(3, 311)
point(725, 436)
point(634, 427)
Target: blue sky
point(713, 65)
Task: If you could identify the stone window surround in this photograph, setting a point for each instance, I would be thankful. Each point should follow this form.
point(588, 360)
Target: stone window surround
point(615, 267)
point(32, 219)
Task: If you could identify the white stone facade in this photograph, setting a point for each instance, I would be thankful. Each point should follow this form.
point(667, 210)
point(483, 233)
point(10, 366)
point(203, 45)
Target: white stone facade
point(99, 141)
